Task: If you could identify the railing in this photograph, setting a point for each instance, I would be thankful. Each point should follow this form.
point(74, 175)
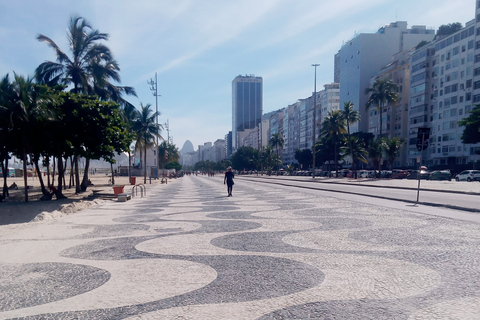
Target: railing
point(142, 188)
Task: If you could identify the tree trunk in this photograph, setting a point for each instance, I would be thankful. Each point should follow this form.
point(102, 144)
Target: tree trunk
point(129, 166)
point(46, 194)
point(61, 174)
point(85, 175)
point(24, 158)
point(113, 175)
point(381, 118)
point(71, 181)
point(336, 163)
point(48, 172)
point(145, 165)
point(77, 175)
point(5, 175)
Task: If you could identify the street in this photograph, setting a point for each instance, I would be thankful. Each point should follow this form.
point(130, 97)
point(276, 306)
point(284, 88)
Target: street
point(187, 251)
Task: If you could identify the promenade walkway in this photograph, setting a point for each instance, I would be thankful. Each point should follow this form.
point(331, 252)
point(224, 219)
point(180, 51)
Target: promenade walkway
point(187, 251)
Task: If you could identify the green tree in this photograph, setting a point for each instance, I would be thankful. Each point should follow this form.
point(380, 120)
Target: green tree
point(471, 132)
point(333, 128)
point(28, 108)
point(245, 158)
point(167, 153)
point(375, 152)
point(174, 165)
point(448, 29)
point(381, 94)
point(355, 149)
point(91, 67)
point(146, 131)
point(6, 137)
point(351, 116)
point(269, 159)
point(130, 114)
point(276, 141)
point(304, 157)
point(391, 148)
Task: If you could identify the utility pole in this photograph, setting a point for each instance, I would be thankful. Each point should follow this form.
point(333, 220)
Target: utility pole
point(314, 117)
point(153, 88)
point(167, 125)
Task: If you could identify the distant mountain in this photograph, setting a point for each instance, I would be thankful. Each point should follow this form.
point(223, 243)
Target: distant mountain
point(187, 147)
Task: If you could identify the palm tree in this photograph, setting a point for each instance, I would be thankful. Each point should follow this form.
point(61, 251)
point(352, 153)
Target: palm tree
point(167, 152)
point(130, 114)
point(276, 141)
point(375, 152)
point(355, 149)
point(90, 67)
point(269, 159)
point(146, 131)
point(351, 116)
point(391, 148)
point(381, 94)
point(28, 108)
point(6, 92)
point(333, 128)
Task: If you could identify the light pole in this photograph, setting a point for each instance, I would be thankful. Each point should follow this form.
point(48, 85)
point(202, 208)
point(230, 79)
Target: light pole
point(167, 125)
point(153, 88)
point(315, 65)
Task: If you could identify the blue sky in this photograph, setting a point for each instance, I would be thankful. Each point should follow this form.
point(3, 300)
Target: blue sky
point(198, 47)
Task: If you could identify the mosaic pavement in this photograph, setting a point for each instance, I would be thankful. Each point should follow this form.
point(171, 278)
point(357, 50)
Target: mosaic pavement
point(190, 252)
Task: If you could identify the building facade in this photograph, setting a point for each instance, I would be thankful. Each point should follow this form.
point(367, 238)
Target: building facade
point(247, 105)
point(366, 54)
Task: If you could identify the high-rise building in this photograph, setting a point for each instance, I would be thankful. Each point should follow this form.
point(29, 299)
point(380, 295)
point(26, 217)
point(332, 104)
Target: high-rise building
point(247, 105)
point(362, 57)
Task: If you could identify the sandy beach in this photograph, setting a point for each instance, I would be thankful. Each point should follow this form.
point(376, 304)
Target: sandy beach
point(16, 210)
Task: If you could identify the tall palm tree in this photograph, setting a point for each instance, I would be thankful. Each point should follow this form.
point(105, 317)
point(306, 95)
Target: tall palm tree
point(381, 94)
point(91, 66)
point(146, 131)
point(333, 128)
point(351, 116)
point(276, 141)
point(391, 148)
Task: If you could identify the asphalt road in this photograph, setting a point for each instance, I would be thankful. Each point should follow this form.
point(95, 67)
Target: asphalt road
point(438, 196)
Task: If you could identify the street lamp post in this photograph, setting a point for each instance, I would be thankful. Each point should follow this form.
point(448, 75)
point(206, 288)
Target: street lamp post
point(314, 117)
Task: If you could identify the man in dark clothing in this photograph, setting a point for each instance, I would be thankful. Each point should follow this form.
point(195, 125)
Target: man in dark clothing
point(229, 180)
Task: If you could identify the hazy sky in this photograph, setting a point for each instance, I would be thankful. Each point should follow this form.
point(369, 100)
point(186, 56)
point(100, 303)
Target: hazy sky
point(197, 47)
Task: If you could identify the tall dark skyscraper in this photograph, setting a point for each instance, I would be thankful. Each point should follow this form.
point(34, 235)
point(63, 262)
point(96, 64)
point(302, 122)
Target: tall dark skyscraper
point(247, 105)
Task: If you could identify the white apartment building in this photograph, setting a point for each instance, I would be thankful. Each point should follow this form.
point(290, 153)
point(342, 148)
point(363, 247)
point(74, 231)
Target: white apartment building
point(329, 100)
point(362, 57)
point(395, 115)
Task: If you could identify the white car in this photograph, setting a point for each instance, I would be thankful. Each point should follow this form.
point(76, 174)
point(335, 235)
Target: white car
point(468, 175)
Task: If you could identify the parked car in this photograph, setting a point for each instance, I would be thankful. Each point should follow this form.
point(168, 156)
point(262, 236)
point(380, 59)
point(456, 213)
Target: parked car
point(400, 174)
point(468, 175)
point(441, 175)
point(424, 174)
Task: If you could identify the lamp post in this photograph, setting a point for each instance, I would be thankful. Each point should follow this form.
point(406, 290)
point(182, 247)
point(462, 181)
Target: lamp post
point(314, 117)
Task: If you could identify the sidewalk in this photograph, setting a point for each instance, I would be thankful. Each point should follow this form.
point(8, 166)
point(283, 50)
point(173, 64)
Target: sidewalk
point(187, 251)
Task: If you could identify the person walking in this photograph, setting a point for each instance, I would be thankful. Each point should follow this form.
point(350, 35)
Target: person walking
point(229, 180)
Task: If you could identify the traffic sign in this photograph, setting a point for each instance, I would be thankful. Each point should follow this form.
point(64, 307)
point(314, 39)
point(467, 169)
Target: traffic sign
point(421, 146)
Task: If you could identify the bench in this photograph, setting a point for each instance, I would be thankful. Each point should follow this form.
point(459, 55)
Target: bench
point(123, 197)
